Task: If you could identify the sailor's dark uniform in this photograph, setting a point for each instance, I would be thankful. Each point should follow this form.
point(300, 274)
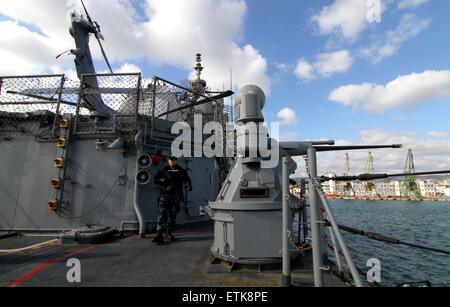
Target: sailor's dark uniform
point(171, 182)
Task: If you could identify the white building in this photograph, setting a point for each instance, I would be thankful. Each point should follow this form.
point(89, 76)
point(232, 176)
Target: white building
point(428, 188)
point(443, 189)
point(389, 188)
point(330, 187)
point(359, 188)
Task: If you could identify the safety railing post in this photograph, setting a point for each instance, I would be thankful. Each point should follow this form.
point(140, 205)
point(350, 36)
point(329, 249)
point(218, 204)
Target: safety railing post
point(286, 278)
point(155, 90)
point(58, 105)
point(314, 202)
point(138, 100)
point(337, 232)
point(336, 251)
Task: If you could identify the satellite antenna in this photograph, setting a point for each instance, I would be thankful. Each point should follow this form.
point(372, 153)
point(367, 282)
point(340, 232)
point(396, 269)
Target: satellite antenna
point(98, 35)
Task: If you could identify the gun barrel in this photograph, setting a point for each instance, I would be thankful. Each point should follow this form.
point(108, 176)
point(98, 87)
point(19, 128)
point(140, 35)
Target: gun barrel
point(318, 143)
point(362, 147)
point(301, 148)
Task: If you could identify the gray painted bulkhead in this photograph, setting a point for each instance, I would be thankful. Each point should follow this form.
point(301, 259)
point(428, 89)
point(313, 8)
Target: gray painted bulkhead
point(26, 170)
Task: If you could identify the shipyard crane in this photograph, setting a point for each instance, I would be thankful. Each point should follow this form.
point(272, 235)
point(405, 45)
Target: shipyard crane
point(370, 186)
point(410, 187)
point(348, 186)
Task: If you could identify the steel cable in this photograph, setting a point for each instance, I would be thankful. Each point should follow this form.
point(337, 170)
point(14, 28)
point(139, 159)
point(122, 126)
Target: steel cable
point(382, 238)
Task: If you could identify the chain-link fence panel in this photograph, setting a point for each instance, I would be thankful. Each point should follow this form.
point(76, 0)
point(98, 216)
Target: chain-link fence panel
point(115, 97)
point(69, 97)
point(30, 104)
point(33, 104)
point(178, 103)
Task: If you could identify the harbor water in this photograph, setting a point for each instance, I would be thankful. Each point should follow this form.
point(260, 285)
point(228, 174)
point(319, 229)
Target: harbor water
point(423, 223)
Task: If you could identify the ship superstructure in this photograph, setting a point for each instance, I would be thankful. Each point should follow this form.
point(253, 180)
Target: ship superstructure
point(81, 152)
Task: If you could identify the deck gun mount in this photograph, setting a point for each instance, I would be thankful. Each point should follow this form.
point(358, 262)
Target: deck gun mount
point(248, 211)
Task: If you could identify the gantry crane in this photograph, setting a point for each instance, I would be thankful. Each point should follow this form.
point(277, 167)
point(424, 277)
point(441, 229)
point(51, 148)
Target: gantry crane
point(410, 187)
point(370, 186)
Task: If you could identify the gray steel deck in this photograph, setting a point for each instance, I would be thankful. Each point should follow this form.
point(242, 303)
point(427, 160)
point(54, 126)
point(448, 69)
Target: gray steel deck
point(132, 262)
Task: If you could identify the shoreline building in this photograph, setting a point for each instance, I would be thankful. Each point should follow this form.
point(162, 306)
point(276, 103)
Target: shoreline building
point(434, 188)
point(387, 188)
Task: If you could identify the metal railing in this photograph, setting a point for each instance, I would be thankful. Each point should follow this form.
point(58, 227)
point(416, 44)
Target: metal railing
point(319, 204)
point(335, 231)
point(318, 207)
point(176, 103)
point(119, 94)
point(37, 98)
point(34, 104)
point(126, 98)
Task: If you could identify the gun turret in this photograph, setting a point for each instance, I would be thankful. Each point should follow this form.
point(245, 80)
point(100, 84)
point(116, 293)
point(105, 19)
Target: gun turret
point(247, 212)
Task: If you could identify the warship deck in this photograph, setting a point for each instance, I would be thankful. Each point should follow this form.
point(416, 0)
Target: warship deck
point(133, 262)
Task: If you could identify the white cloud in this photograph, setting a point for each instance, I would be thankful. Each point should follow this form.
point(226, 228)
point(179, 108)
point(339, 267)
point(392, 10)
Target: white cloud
point(404, 91)
point(164, 32)
point(128, 68)
point(439, 134)
point(282, 66)
point(287, 116)
point(344, 18)
point(429, 154)
point(304, 70)
point(23, 52)
point(248, 67)
point(49, 16)
point(407, 4)
point(409, 27)
point(326, 65)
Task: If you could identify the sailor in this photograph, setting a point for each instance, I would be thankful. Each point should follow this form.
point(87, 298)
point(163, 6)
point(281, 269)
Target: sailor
point(171, 180)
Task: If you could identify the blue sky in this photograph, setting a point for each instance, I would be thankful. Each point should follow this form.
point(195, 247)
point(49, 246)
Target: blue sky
point(284, 33)
point(401, 96)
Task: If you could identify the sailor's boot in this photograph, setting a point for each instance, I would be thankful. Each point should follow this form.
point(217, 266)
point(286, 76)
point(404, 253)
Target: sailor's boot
point(159, 238)
point(172, 237)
